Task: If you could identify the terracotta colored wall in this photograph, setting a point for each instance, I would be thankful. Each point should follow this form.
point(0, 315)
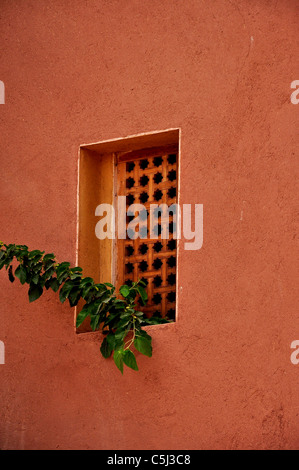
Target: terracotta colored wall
point(84, 71)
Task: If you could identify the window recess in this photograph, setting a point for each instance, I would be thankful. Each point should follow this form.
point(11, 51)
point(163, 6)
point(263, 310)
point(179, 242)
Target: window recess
point(144, 169)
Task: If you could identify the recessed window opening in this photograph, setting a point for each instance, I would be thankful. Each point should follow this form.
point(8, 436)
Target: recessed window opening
point(144, 169)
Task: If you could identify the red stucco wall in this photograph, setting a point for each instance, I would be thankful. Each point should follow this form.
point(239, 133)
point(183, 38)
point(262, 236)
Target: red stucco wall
point(83, 71)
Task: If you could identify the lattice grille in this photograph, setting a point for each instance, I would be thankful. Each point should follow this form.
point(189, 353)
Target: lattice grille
point(150, 179)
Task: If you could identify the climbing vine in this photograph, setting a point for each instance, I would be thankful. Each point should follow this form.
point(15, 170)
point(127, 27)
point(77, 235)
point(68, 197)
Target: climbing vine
point(117, 316)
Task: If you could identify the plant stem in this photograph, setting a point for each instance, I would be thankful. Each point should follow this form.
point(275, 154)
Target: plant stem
point(133, 338)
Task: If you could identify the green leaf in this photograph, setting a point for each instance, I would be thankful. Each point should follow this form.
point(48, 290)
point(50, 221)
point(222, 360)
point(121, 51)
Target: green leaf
point(35, 291)
point(74, 296)
point(124, 322)
point(128, 312)
point(62, 276)
point(143, 345)
point(76, 273)
point(8, 260)
point(35, 254)
point(65, 291)
point(101, 287)
point(82, 315)
point(35, 279)
point(144, 334)
point(63, 266)
point(86, 291)
point(142, 293)
point(112, 318)
point(62, 271)
point(21, 273)
point(125, 291)
point(121, 333)
point(95, 321)
point(49, 265)
point(86, 280)
point(23, 248)
point(119, 360)
point(139, 314)
point(108, 284)
point(49, 256)
point(129, 359)
point(106, 348)
point(76, 269)
point(111, 340)
point(54, 284)
point(49, 273)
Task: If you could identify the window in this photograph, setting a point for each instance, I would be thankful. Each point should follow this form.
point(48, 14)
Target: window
point(144, 169)
point(148, 177)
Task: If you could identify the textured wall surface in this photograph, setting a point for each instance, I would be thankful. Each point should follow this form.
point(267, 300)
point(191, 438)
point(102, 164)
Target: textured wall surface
point(83, 71)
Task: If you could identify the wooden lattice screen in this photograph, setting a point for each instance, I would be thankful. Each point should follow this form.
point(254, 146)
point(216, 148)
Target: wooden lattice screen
point(150, 177)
